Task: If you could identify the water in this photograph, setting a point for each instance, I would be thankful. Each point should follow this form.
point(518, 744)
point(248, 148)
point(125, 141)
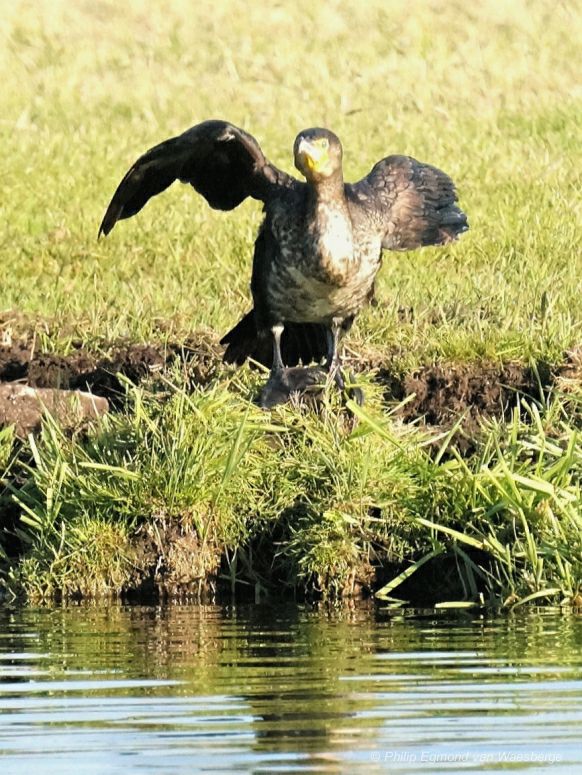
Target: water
point(183, 689)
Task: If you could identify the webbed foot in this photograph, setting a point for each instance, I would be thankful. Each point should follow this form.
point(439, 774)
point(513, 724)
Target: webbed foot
point(283, 383)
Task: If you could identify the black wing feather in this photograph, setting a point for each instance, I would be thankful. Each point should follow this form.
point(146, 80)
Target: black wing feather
point(411, 204)
point(222, 162)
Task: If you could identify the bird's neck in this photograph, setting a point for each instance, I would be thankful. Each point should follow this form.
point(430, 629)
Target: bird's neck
point(329, 191)
point(331, 229)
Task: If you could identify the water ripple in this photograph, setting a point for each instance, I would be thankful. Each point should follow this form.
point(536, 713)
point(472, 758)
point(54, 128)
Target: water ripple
point(209, 689)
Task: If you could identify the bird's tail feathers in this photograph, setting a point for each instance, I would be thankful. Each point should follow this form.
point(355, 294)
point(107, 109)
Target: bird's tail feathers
point(301, 342)
point(241, 341)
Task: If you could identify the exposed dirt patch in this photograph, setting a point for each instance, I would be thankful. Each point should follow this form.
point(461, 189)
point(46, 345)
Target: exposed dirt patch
point(170, 561)
point(100, 374)
point(23, 407)
point(569, 377)
point(438, 393)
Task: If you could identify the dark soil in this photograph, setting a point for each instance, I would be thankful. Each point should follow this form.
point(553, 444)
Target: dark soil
point(442, 393)
point(438, 393)
point(100, 374)
point(170, 561)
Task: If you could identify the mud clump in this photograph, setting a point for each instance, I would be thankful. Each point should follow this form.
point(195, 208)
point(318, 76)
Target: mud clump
point(170, 561)
point(440, 393)
point(23, 407)
point(569, 378)
point(102, 375)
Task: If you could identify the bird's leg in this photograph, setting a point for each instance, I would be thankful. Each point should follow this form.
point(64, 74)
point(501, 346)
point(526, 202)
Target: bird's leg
point(278, 365)
point(333, 357)
point(284, 381)
point(334, 363)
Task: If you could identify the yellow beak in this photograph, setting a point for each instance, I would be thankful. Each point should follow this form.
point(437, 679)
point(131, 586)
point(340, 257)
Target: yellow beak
point(315, 157)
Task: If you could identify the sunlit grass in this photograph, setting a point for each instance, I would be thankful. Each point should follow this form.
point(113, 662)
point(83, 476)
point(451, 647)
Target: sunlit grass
point(490, 94)
point(296, 499)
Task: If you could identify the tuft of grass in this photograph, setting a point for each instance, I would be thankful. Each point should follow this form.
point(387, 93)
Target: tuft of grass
point(521, 500)
point(7, 442)
point(207, 463)
point(167, 461)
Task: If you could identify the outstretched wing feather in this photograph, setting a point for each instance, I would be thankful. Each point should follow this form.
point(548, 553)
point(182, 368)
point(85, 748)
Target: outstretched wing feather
point(222, 162)
point(411, 204)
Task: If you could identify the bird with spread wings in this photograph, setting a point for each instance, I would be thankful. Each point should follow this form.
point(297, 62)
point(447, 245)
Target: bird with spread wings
point(320, 244)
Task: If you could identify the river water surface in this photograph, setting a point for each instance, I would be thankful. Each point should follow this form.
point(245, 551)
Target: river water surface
point(267, 689)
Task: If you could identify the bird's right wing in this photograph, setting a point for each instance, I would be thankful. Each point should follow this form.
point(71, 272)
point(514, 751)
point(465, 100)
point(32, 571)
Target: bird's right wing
point(222, 162)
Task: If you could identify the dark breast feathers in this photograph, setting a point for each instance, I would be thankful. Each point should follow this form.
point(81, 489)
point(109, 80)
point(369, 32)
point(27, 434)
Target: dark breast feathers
point(318, 267)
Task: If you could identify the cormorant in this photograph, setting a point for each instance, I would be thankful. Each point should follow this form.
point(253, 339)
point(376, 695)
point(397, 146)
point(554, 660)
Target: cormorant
point(319, 246)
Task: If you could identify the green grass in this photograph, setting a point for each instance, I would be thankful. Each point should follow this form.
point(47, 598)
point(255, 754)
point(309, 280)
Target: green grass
point(489, 93)
point(290, 499)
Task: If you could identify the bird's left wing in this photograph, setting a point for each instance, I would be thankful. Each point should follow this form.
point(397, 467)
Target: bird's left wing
point(222, 162)
point(409, 203)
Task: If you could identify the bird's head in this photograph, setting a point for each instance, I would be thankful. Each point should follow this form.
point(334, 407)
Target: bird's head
point(318, 154)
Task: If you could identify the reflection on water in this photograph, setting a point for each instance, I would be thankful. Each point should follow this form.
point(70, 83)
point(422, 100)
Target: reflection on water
point(111, 689)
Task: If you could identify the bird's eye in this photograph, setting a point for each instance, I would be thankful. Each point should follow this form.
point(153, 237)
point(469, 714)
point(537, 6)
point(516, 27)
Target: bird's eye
point(324, 142)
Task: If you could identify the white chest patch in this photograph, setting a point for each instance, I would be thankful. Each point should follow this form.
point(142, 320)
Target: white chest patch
point(334, 240)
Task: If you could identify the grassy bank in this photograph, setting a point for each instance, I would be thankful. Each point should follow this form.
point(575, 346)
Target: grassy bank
point(188, 491)
point(196, 480)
